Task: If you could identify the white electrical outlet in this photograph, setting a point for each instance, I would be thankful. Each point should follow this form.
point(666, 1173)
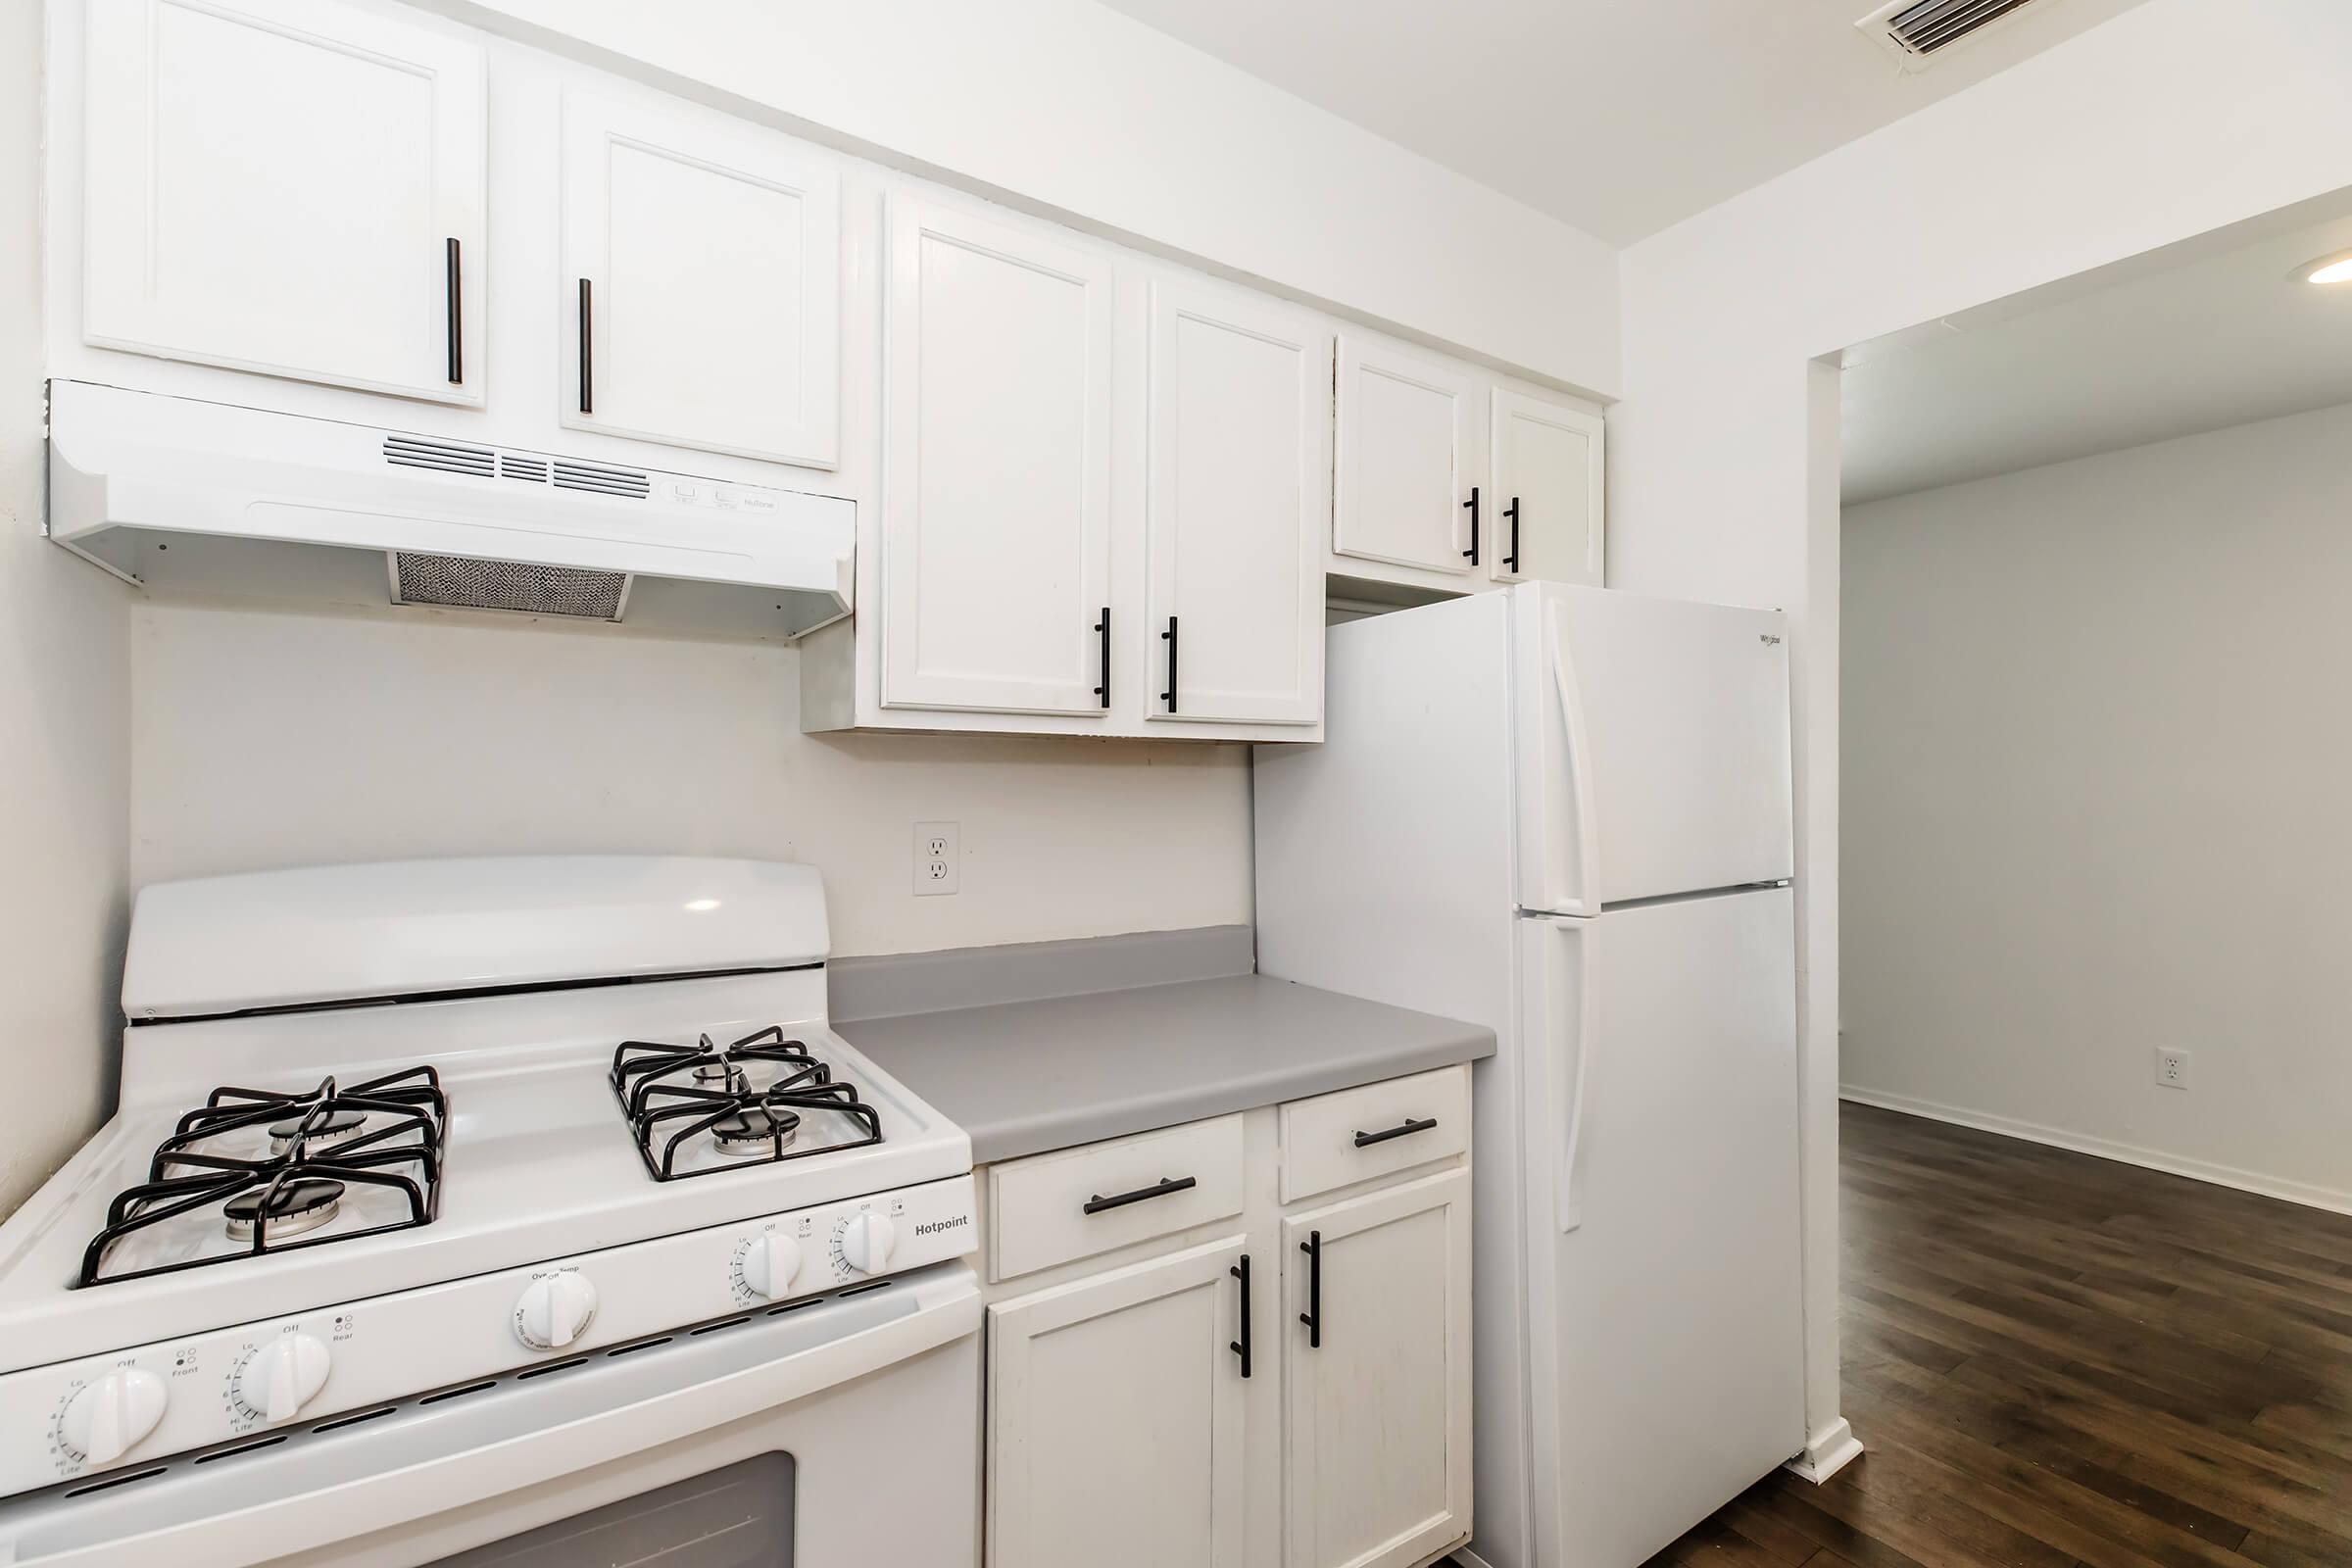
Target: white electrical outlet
point(2172, 1068)
point(938, 858)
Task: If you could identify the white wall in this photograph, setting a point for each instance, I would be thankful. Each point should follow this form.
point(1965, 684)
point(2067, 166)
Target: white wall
point(64, 720)
point(2176, 118)
point(1075, 111)
point(266, 738)
point(2094, 765)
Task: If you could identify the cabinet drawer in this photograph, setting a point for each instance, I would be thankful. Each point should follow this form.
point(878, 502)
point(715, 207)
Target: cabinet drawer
point(1051, 1208)
point(1357, 1134)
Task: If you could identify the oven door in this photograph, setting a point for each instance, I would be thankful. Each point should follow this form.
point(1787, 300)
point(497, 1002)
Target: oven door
point(842, 1430)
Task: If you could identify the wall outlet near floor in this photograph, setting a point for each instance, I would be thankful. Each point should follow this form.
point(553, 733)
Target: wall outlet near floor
point(2172, 1068)
point(938, 854)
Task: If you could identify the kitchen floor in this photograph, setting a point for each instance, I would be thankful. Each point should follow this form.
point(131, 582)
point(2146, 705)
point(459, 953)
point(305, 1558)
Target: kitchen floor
point(2057, 1361)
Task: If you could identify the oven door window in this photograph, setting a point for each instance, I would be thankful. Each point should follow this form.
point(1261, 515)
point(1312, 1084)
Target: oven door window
point(738, 1517)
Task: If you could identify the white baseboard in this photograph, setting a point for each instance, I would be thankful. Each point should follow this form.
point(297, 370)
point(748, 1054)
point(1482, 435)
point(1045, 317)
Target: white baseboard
point(1833, 1449)
point(2245, 1181)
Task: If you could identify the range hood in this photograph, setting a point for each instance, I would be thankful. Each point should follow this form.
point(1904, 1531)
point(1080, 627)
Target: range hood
point(177, 492)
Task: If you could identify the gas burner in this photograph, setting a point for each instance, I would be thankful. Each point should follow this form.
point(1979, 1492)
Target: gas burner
point(274, 1165)
point(294, 1206)
point(722, 1073)
point(340, 1127)
point(672, 1095)
point(755, 1129)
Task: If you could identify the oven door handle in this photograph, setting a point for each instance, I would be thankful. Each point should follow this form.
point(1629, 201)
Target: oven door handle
point(506, 1440)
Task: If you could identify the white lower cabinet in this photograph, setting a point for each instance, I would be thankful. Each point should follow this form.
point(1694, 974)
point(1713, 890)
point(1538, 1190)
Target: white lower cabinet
point(1115, 1417)
point(1376, 1380)
point(1281, 1387)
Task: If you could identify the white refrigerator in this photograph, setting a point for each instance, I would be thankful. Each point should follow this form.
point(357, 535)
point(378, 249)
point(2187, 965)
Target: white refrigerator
point(1565, 813)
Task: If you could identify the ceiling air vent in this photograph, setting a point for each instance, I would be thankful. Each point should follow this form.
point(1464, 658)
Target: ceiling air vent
point(595, 476)
point(1918, 30)
point(446, 457)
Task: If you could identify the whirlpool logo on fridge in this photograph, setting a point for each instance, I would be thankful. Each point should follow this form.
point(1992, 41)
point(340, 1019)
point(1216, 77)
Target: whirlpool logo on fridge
point(1768, 639)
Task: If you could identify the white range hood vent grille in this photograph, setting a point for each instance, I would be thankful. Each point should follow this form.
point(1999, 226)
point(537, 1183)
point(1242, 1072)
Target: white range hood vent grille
point(1914, 30)
point(442, 456)
point(459, 582)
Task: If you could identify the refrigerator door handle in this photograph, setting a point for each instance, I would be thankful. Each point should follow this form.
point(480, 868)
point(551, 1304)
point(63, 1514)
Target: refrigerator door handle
point(1586, 899)
point(1571, 1196)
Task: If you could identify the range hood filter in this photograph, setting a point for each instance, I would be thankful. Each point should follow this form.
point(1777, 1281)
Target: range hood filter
point(460, 583)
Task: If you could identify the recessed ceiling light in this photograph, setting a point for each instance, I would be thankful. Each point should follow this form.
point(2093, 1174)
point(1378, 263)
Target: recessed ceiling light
point(2337, 268)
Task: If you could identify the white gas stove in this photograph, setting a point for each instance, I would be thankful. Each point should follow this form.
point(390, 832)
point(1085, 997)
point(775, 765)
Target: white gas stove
point(396, 1136)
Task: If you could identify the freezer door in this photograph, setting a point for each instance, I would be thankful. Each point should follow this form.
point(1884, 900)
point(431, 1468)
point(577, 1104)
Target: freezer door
point(1652, 747)
point(1665, 1333)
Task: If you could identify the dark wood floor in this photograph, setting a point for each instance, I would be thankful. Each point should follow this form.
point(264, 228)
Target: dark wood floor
point(2056, 1360)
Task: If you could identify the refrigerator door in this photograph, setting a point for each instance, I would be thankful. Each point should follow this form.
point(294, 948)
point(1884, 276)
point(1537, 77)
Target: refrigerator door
point(1665, 1314)
point(1651, 745)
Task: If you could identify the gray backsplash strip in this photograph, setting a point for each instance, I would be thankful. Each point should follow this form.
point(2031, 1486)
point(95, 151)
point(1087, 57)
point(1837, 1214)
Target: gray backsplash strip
point(897, 984)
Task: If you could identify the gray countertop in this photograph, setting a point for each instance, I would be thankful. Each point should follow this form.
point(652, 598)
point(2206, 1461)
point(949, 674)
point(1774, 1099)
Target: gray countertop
point(1023, 1077)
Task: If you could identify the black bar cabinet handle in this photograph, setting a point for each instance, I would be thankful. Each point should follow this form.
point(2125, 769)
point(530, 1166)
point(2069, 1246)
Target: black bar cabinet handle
point(1102, 634)
point(1240, 1347)
point(1510, 563)
point(587, 353)
point(1161, 1189)
point(1312, 1317)
point(457, 316)
point(1472, 503)
point(1410, 1127)
point(1169, 637)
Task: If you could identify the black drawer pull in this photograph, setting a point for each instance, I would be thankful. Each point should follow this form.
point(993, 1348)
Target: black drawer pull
point(1169, 637)
point(1240, 1347)
point(1174, 1184)
point(1472, 506)
point(1405, 1130)
point(1510, 563)
point(1312, 1317)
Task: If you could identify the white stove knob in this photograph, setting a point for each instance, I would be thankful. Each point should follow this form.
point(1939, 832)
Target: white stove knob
point(105, 1418)
point(555, 1311)
point(867, 1240)
point(282, 1376)
point(769, 1261)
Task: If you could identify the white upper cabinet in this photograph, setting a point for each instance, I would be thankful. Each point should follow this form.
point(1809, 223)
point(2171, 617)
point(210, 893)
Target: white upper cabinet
point(1412, 460)
point(995, 491)
point(1546, 489)
point(1116, 1418)
point(1239, 465)
point(701, 293)
point(1377, 1432)
point(287, 186)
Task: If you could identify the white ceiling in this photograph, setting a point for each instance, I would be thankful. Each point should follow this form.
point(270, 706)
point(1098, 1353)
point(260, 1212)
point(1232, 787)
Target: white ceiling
point(2194, 338)
point(1621, 117)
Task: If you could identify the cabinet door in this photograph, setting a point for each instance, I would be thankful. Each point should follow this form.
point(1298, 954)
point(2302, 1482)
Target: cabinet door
point(1547, 490)
point(1240, 484)
point(995, 530)
point(701, 292)
point(286, 187)
point(1376, 1454)
point(1116, 1418)
point(1411, 447)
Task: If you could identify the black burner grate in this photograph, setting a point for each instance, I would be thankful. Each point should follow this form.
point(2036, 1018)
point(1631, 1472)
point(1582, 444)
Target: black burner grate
point(666, 1094)
point(184, 1176)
